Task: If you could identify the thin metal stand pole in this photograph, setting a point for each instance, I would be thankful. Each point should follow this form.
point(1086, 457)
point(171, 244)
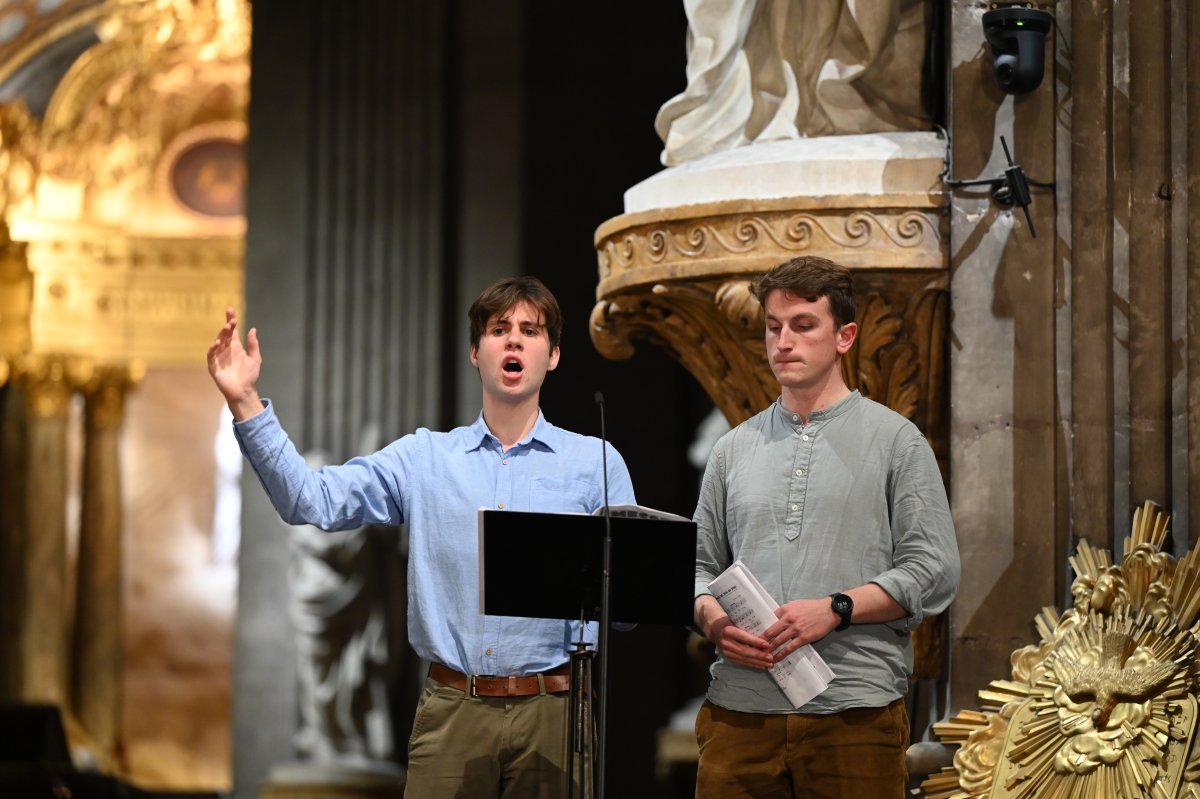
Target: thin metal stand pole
point(580, 729)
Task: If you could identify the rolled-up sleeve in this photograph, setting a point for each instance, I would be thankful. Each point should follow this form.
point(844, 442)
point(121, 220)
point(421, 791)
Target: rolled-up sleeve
point(712, 543)
point(925, 565)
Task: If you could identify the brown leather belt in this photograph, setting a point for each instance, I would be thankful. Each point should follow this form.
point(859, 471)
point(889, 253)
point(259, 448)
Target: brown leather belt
point(556, 681)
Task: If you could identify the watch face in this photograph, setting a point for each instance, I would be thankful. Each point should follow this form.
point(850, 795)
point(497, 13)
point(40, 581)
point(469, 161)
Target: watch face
point(843, 606)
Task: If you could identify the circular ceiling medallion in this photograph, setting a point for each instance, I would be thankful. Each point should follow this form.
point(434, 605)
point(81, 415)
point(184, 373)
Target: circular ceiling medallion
point(208, 176)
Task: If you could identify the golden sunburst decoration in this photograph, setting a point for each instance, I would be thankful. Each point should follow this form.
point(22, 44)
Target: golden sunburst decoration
point(1105, 704)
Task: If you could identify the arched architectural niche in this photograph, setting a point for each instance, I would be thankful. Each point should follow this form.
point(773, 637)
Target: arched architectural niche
point(124, 228)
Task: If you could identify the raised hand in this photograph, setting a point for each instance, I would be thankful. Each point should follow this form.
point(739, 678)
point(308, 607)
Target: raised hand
point(235, 368)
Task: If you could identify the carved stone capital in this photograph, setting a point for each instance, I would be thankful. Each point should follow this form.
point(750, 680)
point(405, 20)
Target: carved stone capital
point(105, 388)
point(48, 381)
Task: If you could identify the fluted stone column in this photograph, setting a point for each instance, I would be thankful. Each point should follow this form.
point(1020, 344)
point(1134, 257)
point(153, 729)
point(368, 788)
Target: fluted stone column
point(97, 649)
point(348, 308)
point(16, 288)
point(41, 529)
point(12, 531)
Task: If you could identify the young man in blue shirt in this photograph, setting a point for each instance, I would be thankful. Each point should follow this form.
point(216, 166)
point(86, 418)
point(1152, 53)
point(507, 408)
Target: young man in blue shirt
point(491, 719)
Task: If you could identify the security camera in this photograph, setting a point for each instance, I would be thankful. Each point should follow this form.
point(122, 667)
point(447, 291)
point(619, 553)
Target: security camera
point(1017, 35)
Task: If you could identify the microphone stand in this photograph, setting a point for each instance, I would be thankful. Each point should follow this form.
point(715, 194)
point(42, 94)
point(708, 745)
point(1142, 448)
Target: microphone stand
point(602, 732)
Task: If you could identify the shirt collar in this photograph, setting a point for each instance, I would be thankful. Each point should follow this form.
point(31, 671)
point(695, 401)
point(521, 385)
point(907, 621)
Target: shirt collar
point(542, 433)
point(836, 409)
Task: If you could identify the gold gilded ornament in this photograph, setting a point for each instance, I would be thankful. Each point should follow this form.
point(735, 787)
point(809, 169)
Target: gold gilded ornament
point(1105, 705)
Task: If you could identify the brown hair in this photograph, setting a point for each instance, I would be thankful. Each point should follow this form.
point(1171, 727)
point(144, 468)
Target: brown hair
point(503, 295)
point(811, 277)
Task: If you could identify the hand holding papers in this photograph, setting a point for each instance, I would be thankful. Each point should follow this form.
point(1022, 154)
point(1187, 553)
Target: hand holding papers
point(802, 674)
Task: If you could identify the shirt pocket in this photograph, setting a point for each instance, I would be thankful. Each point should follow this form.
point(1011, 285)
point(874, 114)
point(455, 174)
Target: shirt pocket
point(560, 495)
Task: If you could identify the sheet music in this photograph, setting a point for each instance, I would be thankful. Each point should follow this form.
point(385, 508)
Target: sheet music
point(801, 675)
point(639, 512)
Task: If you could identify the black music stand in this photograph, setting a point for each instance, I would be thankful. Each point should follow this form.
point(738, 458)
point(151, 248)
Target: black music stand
point(550, 566)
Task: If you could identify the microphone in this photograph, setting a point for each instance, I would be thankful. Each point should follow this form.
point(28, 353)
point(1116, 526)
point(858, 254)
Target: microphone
point(602, 721)
point(603, 451)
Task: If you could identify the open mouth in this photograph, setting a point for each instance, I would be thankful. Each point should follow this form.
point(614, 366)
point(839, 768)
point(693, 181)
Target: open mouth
point(512, 366)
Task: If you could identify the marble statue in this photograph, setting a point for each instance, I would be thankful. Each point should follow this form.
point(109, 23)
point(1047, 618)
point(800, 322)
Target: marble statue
point(766, 70)
point(347, 607)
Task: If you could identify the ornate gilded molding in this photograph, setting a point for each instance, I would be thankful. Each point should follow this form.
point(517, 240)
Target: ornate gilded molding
point(1105, 704)
point(134, 210)
point(119, 299)
point(40, 25)
point(859, 231)
point(19, 151)
point(157, 70)
point(16, 300)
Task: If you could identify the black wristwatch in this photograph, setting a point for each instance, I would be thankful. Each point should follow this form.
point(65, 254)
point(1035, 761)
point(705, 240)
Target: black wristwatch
point(843, 606)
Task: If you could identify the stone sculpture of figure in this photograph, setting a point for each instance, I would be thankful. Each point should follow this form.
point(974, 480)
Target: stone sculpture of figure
point(764, 70)
point(347, 606)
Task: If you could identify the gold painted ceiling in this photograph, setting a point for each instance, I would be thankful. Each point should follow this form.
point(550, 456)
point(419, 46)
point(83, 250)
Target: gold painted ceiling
point(128, 210)
point(27, 26)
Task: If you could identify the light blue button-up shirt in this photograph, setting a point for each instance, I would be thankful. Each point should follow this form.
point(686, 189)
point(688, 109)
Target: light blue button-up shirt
point(436, 483)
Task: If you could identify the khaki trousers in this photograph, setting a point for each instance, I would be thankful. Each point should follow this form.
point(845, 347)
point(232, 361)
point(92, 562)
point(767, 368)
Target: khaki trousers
point(471, 747)
point(855, 754)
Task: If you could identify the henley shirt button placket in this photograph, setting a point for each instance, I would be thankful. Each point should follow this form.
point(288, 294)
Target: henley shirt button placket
point(792, 529)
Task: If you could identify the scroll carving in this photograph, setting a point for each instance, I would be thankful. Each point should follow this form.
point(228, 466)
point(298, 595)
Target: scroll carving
point(685, 320)
point(715, 329)
point(726, 237)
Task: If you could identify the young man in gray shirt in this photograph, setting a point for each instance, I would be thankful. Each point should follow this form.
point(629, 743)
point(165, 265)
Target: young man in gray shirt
point(836, 504)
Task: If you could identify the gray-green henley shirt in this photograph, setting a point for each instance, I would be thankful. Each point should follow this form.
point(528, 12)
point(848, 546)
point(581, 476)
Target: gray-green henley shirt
point(853, 497)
